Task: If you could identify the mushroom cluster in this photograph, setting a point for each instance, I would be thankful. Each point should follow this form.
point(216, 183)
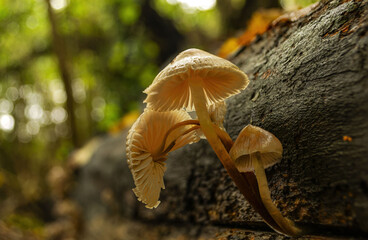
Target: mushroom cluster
point(199, 81)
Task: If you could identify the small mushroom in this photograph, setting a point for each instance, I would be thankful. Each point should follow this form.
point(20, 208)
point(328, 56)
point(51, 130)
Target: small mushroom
point(252, 140)
point(254, 150)
point(147, 150)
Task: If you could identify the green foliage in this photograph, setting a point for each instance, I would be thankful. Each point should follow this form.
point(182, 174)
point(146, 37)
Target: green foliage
point(129, 13)
point(111, 114)
point(207, 22)
point(296, 4)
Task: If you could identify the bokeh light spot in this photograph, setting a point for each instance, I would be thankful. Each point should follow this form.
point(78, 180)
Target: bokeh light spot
point(59, 96)
point(190, 5)
point(31, 22)
point(33, 127)
point(33, 111)
point(7, 122)
point(58, 115)
point(98, 102)
point(12, 93)
point(59, 4)
point(6, 106)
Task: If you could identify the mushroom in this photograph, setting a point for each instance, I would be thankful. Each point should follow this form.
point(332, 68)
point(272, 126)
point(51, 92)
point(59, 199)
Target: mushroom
point(148, 145)
point(196, 79)
point(254, 150)
point(199, 79)
point(176, 86)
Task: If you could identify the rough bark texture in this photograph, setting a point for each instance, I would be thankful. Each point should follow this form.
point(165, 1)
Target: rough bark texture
point(309, 87)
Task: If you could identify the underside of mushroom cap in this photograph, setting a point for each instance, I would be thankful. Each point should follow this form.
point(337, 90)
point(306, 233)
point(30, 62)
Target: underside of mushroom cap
point(170, 89)
point(251, 140)
point(145, 158)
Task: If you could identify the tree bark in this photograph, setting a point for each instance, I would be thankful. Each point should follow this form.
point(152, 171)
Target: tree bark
point(309, 87)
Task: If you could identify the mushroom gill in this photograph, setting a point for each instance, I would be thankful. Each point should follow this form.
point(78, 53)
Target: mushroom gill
point(146, 154)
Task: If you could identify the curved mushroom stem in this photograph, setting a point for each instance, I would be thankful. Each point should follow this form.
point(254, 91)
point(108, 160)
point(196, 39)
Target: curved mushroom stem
point(171, 145)
point(224, 137)
point(286, 224)
point(199, 101)
point(175, 126)
point(222, 134)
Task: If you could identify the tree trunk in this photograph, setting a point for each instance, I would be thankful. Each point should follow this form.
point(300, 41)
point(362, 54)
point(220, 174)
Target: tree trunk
point(65, 73)
point(309, 87)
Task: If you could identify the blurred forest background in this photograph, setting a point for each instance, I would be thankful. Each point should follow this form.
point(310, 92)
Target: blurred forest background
point(71, 70)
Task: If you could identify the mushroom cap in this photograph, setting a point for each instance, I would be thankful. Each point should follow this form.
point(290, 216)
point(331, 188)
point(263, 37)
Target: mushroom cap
point(144, 151)
point(170, 88)
point(254, 139)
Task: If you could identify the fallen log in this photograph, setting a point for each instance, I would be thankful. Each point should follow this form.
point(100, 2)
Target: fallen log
point(309, 87)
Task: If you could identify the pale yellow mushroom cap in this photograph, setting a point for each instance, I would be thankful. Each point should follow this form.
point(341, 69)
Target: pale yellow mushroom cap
point(251, 140)
point(145, 158)
point(170, 89)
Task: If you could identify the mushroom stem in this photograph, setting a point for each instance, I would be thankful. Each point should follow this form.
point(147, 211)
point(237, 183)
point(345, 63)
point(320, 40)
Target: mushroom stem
point(224, 137)
point(199, 101)
point(285, 224)
point(175, 126)
point(171, 145)
point(207, 127)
